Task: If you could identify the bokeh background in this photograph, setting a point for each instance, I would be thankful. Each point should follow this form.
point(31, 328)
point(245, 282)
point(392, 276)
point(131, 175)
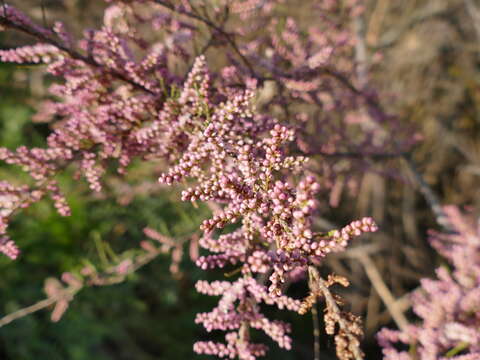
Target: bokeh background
point(424, 60)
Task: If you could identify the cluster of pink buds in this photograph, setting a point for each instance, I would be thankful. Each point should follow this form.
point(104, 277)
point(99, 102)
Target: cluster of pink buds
point(39, 53)
point(341, 237)
point(246, 174)
point(238, 309)
point(8, 247)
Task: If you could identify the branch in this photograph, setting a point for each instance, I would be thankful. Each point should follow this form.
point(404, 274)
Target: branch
point(69, 292)
point(359, 155)
point(66, 293)
point(401, 304)
point(432, 10)
point(383, 291)
point(320, 287)
point(429, 195)
point(474, 13)
point(71, 52)
point(211, 25)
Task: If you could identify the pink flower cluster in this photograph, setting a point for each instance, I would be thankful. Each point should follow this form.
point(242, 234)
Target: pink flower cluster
point(247, 170)
point(448, 307)
point(38, 53)
point(8, 248)
point(239, 309)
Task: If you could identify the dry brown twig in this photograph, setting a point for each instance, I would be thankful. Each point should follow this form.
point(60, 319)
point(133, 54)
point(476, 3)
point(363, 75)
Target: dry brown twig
point(423, 187)
point(395, 307)
point(349, 330)
point(316, 333)
point(381, 288)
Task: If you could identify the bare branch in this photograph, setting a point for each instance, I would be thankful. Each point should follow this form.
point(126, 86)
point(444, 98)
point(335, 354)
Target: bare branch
point(382, 290)
point(104, 279)
point(68, 292)
point(316, 333)
point(429, 195)
point(474, 13)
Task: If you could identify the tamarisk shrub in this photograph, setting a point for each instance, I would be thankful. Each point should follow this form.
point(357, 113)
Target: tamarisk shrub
point(448, 306)
point(121, 99)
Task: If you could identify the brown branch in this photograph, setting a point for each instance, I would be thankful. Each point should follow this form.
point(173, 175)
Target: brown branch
point(429, 195)
point(395, 307)
point(316, 333)
point(71, 52)
point(320, 286)
point(383, 291)
point(358, 155)
point(332, 304)
point(210, 42)
point(474, 13)
point(68, 292)
point(228, 37)
point(432, 10)
point(402, 304)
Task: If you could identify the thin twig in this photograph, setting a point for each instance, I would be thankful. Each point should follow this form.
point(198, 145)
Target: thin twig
point(316, 333)
point(70, 291)
point(360, 50)
point(44, 16)
point(383, 291)
point(27, 310)
point(210, 42)
point(429, 195)
point(211, 25)
point(332, 305)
